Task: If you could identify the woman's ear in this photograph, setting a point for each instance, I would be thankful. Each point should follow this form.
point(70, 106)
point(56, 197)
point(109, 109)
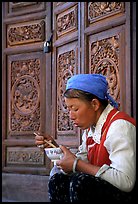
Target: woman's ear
point(95, 104)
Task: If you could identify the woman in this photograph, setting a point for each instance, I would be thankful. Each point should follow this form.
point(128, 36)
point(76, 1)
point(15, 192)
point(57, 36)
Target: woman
point(104, 168)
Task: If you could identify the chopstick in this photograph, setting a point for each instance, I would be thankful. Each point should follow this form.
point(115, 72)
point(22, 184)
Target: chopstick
point(52, 145)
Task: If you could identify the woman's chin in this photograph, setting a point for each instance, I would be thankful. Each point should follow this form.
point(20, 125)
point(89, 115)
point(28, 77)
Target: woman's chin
point(81, 127)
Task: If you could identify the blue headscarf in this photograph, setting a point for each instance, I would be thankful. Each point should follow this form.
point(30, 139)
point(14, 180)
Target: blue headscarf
point(95, 84)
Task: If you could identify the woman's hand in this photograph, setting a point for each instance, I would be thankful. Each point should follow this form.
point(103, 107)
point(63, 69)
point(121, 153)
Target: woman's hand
point(40, 140)
point(66, 162)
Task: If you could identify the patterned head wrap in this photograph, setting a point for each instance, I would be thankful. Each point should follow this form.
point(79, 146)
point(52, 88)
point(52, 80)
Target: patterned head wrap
point(95, 84)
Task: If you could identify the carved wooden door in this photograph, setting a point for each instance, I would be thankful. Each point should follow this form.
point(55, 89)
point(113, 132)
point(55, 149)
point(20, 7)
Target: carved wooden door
point(26, 85)
point(88, 37)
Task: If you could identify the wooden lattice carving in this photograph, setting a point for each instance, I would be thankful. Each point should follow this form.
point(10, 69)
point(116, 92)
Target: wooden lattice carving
point(66, 68)
point(25, 95)
point(25, 33)
point(104, 59)
point(99, 10)
point(67, 21)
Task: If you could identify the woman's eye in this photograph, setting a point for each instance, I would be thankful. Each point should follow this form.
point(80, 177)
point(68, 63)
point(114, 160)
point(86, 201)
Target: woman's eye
point(75, 110)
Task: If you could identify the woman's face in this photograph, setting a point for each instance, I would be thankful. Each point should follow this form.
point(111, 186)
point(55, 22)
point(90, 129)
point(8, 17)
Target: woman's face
point(81, 112)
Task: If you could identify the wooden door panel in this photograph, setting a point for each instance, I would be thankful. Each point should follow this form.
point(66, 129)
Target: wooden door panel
point(65, 55)
point(100, 30)
point(24, 75)
point(109, 19)
point(106, 51)
point(19, 33)
point(106, 28)
point(28, 94)
point(67, 66)
point(25, 107)
point(104, 12)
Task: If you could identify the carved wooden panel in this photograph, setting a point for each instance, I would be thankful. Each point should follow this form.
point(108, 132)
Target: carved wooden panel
point(106, 32)
point(24, 33)
point(65, 53)
point(24, 92)
point(27, 85)
point(66, 67)
point(99, 10)
point(25, 101)
point(24, 156)
point(105, 55)
point(67, 21)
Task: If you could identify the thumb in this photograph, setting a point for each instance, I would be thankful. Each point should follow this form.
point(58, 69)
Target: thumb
point(63, 148)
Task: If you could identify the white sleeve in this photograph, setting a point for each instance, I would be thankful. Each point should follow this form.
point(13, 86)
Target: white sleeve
point(121, 146)
point(82, 150)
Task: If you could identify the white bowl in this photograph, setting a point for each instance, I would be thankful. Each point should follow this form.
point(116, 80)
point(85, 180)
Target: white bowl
point(54, 154)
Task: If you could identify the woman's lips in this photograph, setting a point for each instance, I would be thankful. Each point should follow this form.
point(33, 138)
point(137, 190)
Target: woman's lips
point(76, 125)
point(79, 126)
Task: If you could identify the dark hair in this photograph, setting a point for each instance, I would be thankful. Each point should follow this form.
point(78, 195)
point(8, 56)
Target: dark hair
point(83, 95)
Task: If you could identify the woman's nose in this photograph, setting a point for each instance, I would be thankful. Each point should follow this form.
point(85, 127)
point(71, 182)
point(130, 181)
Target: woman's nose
point(72, 115)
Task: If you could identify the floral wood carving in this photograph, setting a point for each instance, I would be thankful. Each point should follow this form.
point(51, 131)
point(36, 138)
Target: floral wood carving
point(98, 10)
point(22, 34)
point(66, 67)
point(105, 60)
point(67, 21)
point(24, 156)
point(25, 99)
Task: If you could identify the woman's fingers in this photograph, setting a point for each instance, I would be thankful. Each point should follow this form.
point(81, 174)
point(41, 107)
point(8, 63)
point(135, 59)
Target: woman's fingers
point(65, 149)
point(43, 140)
point(39, 140)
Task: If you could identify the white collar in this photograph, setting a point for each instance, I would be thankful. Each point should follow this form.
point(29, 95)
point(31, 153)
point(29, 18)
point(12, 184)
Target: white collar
point(96, 132)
